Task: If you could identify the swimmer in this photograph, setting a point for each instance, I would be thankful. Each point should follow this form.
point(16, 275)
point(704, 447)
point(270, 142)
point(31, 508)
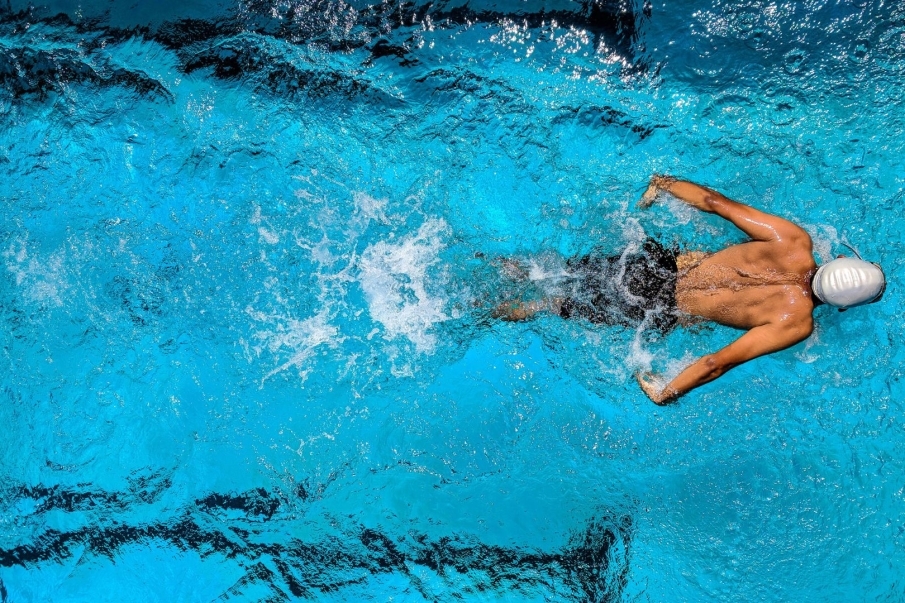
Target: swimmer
point(768, 287)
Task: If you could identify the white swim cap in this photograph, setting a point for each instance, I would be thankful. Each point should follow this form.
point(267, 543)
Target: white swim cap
point(848, 282)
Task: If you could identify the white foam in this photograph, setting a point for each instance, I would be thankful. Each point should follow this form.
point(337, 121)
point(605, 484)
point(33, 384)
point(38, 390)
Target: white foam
point(680, 212)
point(633, 233)
point(675, 366)
point(394, 277)
point(267, 233)
point(268, 236)
point(41, 280)
point(809, 354)
point(546, 268)
point(639, 357)
point(824, 237)
point(321, 253)
point(370, 208)
point(300, 337)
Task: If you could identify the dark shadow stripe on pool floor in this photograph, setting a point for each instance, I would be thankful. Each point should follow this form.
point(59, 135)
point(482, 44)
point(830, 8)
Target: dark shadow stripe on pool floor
point(592, 566)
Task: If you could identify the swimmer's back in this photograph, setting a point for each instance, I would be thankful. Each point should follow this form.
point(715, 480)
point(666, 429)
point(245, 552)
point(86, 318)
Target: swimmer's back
point(752, 284)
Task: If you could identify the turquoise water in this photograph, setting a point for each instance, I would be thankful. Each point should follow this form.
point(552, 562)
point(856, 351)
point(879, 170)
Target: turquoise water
point(249, 252)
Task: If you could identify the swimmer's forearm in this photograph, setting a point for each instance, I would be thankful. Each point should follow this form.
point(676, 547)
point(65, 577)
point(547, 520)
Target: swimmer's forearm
point(760, 340)
point(757, 224)
point(704, 370)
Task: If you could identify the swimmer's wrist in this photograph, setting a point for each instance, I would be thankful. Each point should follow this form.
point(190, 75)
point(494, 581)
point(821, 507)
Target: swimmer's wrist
point(667, 396)
point(657, 183)
point(662, 182)
point(648, 383)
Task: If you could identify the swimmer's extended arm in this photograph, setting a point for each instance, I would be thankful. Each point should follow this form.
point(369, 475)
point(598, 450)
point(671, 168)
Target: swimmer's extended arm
point(756, 342)
point(758, 225)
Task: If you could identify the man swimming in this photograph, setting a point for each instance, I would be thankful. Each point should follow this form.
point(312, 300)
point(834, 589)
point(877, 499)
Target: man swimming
point(768, 286)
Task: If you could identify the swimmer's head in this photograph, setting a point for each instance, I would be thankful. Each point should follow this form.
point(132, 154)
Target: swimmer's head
point(849, 282)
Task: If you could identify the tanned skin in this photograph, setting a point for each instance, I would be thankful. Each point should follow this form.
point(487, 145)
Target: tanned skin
point(762, 286)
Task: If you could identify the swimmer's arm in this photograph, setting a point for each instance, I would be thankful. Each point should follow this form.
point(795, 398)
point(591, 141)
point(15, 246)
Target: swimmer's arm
point(758, 225)
point(758, 341)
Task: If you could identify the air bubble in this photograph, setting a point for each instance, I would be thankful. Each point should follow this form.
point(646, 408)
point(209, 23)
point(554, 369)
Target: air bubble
point(794, 61)
point(860, 50)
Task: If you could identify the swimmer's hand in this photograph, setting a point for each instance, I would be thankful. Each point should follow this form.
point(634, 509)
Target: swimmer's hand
point(652, 386)
point(657, 183)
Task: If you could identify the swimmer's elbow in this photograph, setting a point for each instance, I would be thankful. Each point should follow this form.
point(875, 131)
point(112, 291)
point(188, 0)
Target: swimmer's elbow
point(716, 203)
point(794, 331)
point(804, 329)
point(712, 199)
point(802, 238)
point(714, 366)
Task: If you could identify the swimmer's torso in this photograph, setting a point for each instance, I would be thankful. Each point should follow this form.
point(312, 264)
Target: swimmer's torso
point(748, 285)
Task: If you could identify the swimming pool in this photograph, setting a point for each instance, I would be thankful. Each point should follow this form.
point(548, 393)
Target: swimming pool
point(249, 251)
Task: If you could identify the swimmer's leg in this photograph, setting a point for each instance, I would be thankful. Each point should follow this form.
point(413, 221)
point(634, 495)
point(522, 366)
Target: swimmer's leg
point(515, 311)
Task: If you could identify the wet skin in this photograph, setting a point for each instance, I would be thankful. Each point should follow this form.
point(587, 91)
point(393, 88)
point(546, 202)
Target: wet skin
point(762, 286)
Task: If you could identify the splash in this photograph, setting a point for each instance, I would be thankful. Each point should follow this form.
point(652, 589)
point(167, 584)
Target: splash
point(394, 279)
point(370, 208)
point(824, 237)
point(42, 280)
point(300, 337)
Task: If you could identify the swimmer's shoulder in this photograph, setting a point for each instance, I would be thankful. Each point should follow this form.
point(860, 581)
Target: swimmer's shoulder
point(795, 313)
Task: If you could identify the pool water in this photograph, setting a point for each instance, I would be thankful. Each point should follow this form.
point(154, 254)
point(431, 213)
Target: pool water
point(249, 256)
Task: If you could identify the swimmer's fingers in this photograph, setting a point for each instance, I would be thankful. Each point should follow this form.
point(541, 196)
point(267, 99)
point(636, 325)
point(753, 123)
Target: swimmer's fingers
point(645, 380)
point(658, 183)
point(649, 385)
point(649, 196)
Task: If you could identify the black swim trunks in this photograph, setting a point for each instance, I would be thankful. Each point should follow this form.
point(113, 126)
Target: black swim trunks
point(625, 289)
